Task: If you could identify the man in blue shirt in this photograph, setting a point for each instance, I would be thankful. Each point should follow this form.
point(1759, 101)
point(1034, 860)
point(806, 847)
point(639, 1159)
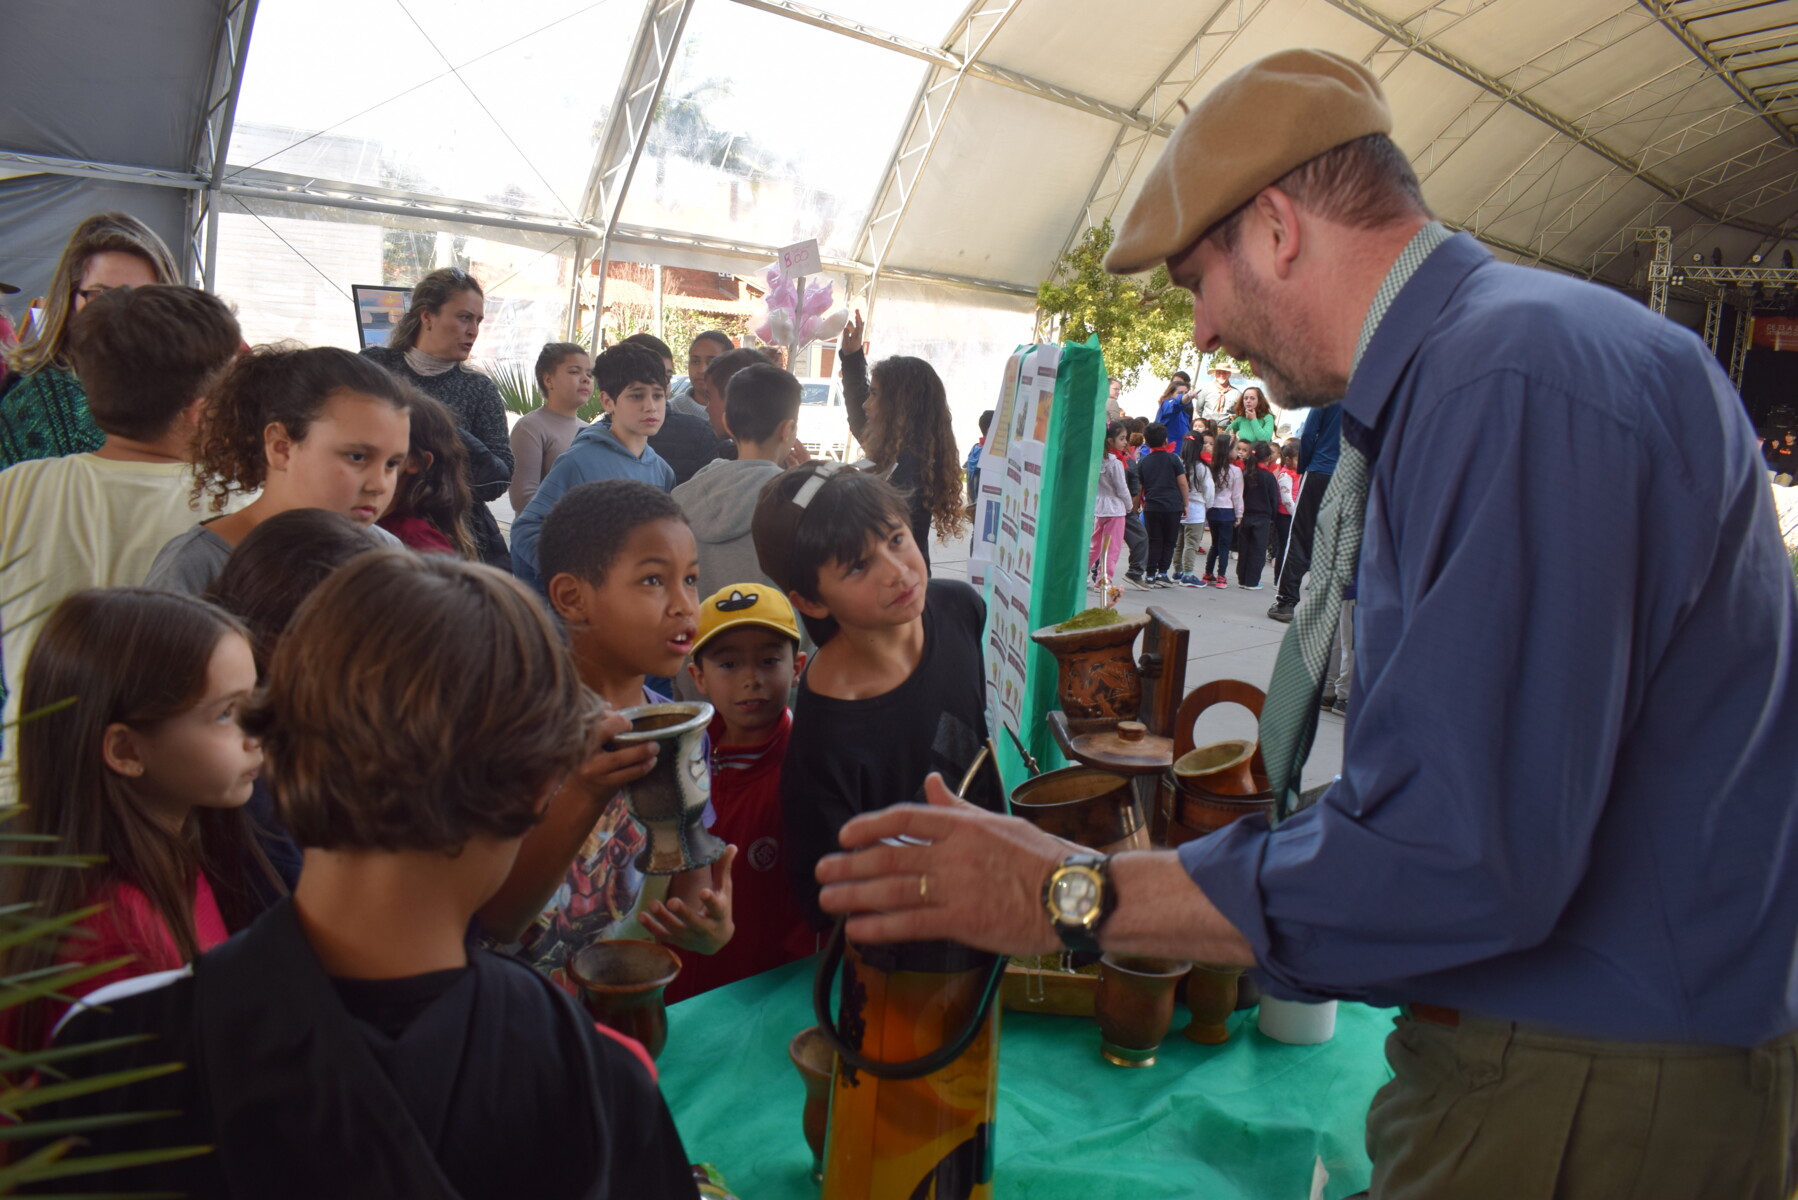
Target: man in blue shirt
point(1564, 836)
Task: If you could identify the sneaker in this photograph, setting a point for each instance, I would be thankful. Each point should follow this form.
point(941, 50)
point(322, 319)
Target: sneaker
point(1281, 612)
point(1340, 708)
point(1160, 580)
point(1327, 701)
point(1134, 578)
point(1218, 582)
point(1193, 581)
point(1251, 587)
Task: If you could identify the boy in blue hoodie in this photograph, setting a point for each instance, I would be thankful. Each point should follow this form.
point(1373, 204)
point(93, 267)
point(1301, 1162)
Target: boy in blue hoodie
point(633, 388)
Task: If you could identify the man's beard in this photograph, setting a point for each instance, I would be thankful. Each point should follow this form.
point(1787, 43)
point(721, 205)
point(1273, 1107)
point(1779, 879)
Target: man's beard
point(1292, 384)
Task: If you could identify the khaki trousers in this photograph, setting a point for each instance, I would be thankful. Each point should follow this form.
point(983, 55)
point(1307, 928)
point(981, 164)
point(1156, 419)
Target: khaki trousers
point(1492, 1111)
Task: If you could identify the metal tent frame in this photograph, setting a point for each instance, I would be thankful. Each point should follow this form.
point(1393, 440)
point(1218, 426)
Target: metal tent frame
point(1695, 175)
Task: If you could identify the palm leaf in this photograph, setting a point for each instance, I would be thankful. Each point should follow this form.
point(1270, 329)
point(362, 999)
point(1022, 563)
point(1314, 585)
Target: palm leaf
point(18, 1099)
point(58, 1167)
point(68, 1125)
point(12, 1063)
point(15, 991)
point(57, 1158)
point(517, 386)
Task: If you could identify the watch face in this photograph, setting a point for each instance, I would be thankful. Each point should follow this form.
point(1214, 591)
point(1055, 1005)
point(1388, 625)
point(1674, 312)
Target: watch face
point(1075, 895)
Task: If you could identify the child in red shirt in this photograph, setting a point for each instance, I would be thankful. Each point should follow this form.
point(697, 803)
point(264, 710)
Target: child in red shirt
point(745, 661)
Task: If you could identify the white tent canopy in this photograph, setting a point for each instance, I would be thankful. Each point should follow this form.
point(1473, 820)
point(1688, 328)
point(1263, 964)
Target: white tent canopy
point(943, 154)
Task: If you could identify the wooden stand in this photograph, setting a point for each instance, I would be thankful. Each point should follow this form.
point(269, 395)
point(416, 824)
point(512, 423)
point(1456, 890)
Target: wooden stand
point(1039, 985)
point(1165, 645)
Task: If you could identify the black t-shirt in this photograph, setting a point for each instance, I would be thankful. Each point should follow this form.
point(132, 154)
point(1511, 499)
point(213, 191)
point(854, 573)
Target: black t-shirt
point(391, 1005)
point(1161, 474)
point(848, 757)
point(1782, 458)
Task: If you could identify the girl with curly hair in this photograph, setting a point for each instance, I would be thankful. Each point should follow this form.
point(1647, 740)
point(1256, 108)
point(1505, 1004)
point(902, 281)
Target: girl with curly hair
point(319, 428)
point(901, 418)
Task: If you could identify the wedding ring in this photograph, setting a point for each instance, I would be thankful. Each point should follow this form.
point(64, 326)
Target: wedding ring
point(924, 889)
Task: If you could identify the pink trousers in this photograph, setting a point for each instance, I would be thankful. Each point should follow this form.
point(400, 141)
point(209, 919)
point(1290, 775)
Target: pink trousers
point(1108, 538)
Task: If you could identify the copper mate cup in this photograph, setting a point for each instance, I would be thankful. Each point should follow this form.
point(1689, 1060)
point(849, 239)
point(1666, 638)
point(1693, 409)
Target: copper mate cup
point(621, 986)
point(1135, 1005)
point(816, 1063)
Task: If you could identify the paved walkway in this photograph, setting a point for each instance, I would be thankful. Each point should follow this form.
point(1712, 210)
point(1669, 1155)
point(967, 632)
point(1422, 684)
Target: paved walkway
point(1232, 638)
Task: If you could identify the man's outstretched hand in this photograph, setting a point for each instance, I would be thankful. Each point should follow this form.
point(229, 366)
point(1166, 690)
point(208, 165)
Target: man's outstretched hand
point(979, 881)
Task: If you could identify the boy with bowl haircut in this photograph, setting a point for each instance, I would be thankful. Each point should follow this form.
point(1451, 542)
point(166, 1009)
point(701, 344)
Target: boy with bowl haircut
point(349, 1043)
point(147, 357)
point(633, 388)
point(619, 564)
point(746, 659)
point(896, 691)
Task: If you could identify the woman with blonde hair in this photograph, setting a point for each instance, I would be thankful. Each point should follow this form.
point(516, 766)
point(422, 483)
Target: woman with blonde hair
point(43, 407)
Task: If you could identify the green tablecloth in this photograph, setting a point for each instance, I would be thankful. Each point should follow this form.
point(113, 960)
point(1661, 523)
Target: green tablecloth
point(1244, 1120)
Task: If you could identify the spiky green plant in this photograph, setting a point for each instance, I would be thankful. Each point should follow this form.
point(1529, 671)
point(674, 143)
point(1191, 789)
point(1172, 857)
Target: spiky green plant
point(518, 388)
point(29, 1081)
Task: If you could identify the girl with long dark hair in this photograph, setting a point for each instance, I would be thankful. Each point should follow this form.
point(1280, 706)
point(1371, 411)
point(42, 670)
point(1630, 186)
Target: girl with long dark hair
point(901, 418)
point(147, 769)
point(1225, 513)
point(432, 499)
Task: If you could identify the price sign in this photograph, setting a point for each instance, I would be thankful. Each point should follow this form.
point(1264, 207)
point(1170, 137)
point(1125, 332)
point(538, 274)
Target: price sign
point(801, 258)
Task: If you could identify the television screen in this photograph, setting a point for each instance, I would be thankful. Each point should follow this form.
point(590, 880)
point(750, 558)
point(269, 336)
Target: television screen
point(378, 310)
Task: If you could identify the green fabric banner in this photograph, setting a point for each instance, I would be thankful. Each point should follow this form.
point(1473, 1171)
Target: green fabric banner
point(1033, 525)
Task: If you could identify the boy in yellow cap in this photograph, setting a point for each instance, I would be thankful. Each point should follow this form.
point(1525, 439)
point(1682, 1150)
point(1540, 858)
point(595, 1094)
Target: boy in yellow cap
point(745, 660)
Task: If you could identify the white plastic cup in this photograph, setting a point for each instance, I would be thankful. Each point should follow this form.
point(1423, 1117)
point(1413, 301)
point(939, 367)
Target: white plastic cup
point(1295, 1023)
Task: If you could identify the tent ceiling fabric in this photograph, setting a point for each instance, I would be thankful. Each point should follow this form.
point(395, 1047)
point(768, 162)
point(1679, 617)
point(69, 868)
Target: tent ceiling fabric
point(1550, 128)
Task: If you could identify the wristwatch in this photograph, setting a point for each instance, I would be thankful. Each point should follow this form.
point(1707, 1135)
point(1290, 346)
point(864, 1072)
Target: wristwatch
point(1079, 897)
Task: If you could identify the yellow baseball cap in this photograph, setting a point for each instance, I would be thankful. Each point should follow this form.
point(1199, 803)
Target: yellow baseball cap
point(738, 604)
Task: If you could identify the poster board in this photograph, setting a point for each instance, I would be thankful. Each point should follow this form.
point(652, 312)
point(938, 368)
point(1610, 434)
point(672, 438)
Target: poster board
point(1033, 518)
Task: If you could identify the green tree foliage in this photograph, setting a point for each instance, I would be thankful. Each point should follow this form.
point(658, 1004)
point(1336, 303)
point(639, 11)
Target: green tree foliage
point(1140, 323)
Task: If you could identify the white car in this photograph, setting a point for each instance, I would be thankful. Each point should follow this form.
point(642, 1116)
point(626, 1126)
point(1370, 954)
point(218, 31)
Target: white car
point(824, 420)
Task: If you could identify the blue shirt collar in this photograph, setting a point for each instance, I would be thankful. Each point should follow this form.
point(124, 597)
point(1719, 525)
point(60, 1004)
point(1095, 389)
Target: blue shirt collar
point(1391, 336)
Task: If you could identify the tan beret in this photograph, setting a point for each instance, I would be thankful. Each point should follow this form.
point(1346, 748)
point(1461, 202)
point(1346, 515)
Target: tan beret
point(1248, 131)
